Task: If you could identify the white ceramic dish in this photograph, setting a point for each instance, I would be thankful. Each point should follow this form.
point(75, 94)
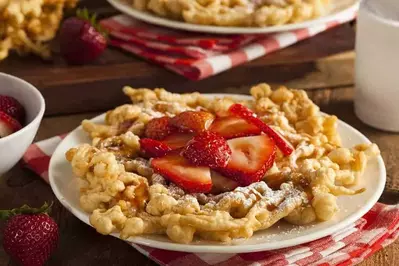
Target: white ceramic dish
point(65, 187)
point(338, 9)
point(14, 146)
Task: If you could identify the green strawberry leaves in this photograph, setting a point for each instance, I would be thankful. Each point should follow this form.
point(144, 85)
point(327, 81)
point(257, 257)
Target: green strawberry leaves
point(92, 19)
point(25, 209)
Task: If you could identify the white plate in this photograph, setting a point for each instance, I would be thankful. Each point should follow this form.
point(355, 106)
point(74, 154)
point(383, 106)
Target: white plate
point(65, 187)
point(338, 9)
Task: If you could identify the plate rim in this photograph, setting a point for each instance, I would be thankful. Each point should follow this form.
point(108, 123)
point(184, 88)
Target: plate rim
point(220, 248)
point(185, 26)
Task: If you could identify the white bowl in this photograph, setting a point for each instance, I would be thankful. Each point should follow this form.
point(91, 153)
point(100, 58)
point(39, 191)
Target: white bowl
point(14, 146)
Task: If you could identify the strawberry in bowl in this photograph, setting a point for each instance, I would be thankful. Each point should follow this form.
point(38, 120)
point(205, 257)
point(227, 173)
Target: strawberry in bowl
point(21, 111)
point(12, 115)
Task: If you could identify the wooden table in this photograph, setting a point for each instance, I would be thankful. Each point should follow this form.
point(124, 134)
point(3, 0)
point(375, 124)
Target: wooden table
point(323, 65)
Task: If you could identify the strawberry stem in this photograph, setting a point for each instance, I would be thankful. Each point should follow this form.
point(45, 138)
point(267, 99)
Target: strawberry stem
point(92, 19)
point(25, 209)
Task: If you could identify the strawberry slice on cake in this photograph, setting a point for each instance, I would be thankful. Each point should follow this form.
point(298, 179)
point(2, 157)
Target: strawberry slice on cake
point(233, 127)
point(191, 178)
point(251, 157)
point(240, 110)
point(159, 128)
point(192, 121)
point(153, 148)
point(222, 184)
point(178, 140)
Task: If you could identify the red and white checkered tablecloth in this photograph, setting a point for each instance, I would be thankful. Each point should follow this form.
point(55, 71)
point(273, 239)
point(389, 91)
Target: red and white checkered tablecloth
point(197, 55)
point(351, 245)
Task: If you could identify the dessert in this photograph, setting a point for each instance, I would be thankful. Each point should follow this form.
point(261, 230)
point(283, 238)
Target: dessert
point(239, 13)
point(12, 115)
point(27, 26)
point(190, 166)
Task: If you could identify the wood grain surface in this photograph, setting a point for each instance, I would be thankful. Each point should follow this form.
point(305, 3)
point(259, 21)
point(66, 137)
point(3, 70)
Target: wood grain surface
point(81, 245)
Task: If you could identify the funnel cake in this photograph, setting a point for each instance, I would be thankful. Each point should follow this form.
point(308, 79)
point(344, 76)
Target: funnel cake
point(125, 190)
point(239, 13)
point(28, 26)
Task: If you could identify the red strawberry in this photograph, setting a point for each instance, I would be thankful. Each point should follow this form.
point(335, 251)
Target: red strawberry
point(30, 235)
point(81, 41)
point(8, 125)
point(251, 157)
point(191, 178)
point(191, 121)
point(222, 183)
point(12, 107)
point(243, 112)
point(208, 149)
point(178, 140)
point(159, 128)
point(233, 127)
point(154, 148)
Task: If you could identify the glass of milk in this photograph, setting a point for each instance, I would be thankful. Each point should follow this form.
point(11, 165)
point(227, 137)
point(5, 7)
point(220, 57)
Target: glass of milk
point(377, 64)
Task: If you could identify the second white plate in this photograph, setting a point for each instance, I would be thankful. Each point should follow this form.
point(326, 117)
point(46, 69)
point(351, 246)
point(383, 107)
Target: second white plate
point(338, 9)
point(66, 188)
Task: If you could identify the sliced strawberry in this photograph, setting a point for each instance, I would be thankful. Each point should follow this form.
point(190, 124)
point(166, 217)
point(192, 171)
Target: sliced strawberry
point(208, 149)
point(191, 178)
point(250, 159)
point(154, 148)
point(8, 125)
point(12, 107)
point(243, 112)
point(159, 128)
point(178, 140)
point(192, 121)
point(222, 183)
point(234, 127)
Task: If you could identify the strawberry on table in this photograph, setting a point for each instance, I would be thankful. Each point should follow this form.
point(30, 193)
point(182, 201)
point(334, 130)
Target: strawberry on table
point(8, 125)
point(207, 149)
point(12, 107)
point(233, 127)
point(154, 148)
point(191, 178)
point(81, 40)
point(251, 157)
point(192, 121)
point(178, 140)
point(30, 235)
point(159, 128)
point(243, 112)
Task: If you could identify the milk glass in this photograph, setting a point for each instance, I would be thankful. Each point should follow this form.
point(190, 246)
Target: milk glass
point(377, 64)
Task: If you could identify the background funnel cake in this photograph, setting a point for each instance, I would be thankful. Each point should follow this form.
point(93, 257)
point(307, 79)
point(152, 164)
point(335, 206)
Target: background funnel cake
point(239, 13)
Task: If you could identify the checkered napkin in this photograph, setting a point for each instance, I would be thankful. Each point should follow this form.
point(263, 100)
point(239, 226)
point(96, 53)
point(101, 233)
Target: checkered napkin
point(351, 245)
point(198, 56)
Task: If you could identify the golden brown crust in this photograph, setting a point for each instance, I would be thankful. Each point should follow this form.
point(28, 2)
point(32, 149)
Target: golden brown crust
point(27, 26)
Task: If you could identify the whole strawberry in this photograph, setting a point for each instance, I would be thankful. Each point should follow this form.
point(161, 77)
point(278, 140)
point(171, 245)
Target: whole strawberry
point(30, 235)
point(81, 40)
